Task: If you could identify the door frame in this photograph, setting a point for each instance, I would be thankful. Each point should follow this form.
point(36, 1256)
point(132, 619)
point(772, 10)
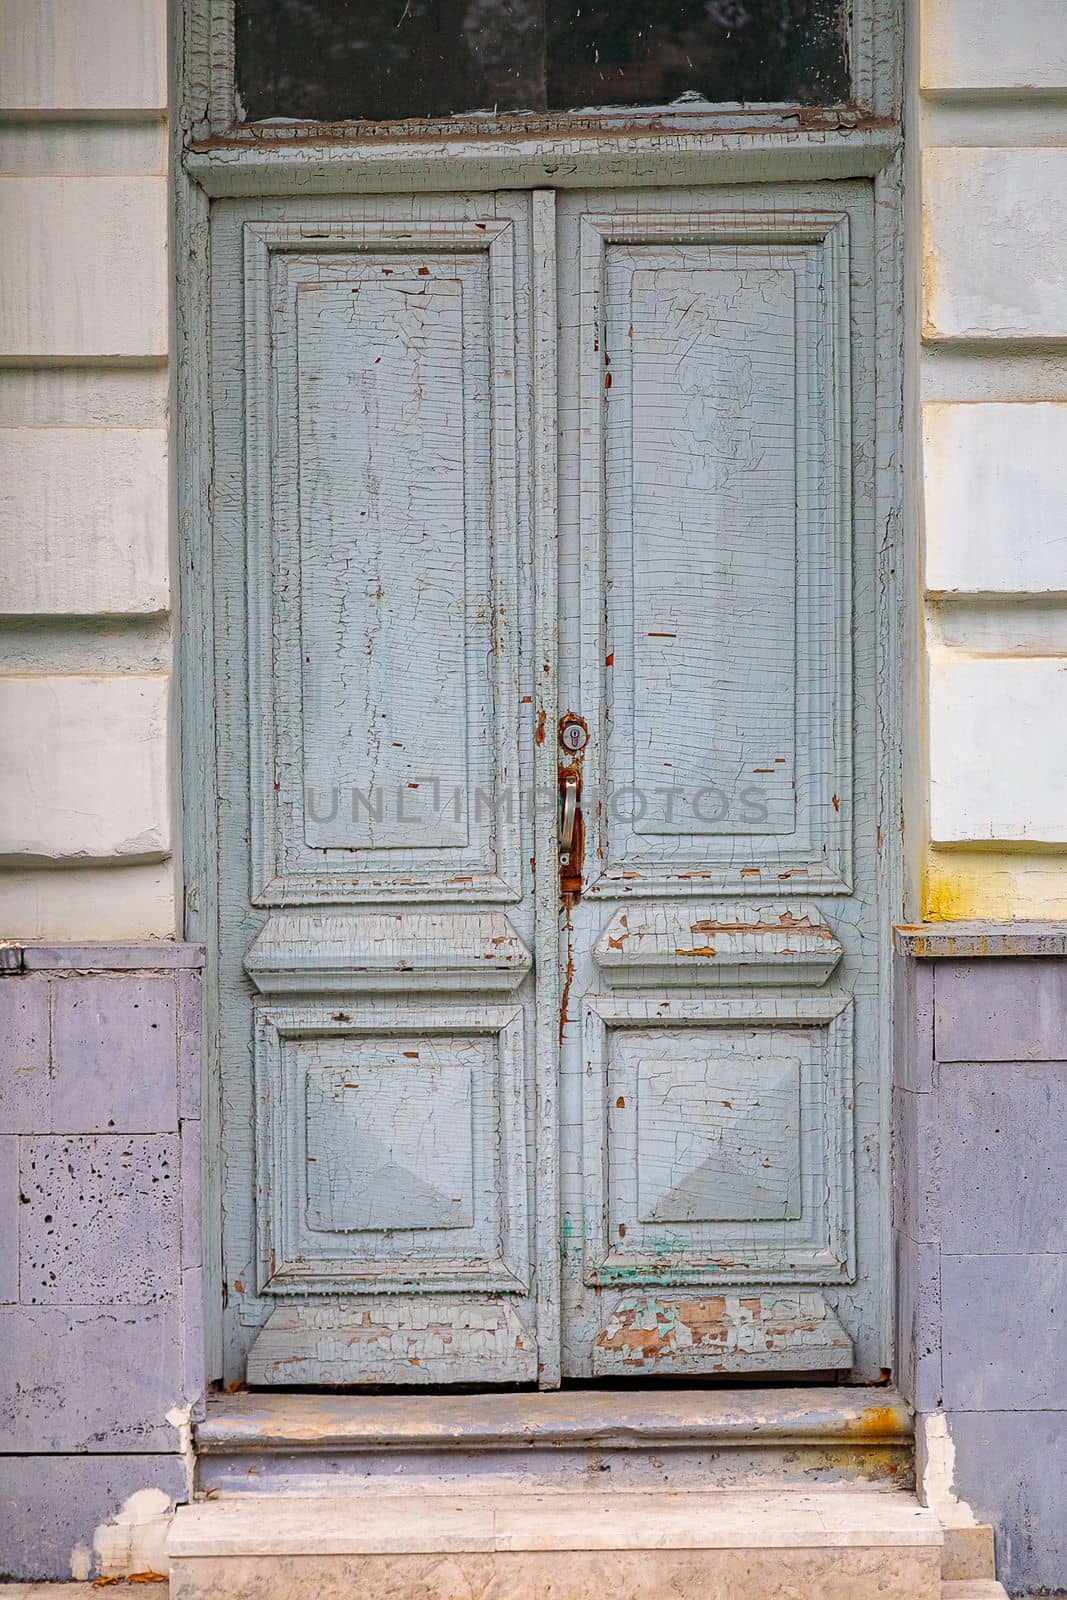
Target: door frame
point(211, 158)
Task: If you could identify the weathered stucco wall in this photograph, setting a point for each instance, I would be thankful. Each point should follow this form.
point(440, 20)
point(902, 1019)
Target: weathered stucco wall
point(988, 120)
point(101, 1312)
point(980, 1115)
point(86, 827)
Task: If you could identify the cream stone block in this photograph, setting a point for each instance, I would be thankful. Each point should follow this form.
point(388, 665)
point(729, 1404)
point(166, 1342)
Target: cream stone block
point(83, 55)
point(112, 902)
point(998, 749)
point(987, 45)
point(83, 521)
point(83, 268)
point(995, 490)
point(995, 241)
point(720, 1545)
point(84, 768)
point(738, 1574)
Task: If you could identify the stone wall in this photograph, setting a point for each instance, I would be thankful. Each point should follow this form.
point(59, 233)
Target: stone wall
point(980, 1110)
point(86, 794)
point(986, 463)
point(101, 1311)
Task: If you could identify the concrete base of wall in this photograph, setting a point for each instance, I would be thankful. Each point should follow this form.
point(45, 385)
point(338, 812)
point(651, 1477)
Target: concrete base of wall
point(101, 1315)
point(980, 1109)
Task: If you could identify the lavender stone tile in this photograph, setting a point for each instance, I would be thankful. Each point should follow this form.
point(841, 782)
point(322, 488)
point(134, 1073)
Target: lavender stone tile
point(105, 956)
point(194, 1381)
point(100, 1219)
point(24, 1085)
point(1001, 1010)
point(913, 1023)
point(115, 1062)
point(190, 1036)
point(1003, 1157)
point(916, 1165)
point(90, 1379)
point(9, 1220)
point(1011, 1469)
point(918, 1322)
point(51, 1505)
point(1004, 1331)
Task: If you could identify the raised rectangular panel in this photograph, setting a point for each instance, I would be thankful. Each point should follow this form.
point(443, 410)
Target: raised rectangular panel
point(381, 452)
point(718, 1129)
point(84, 266)
point(979, 282)
point(715, 497)
point(995, 487)
point(985, 45)
point(94, 55)
point(718, 1141)
point(84, 768)
point(695, 945)
point(391, 1149)
point(382, 494)
point(709, 425)
point(389, 1144)
point(307, 952)
point(1017, 709)
point(83, 521)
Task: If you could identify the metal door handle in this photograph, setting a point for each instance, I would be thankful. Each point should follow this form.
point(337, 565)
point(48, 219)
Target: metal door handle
point(567, 815)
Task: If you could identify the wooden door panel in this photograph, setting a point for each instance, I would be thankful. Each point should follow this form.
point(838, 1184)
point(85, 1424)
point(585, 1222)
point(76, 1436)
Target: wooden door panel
point(391, 1149)
point(718, 1141)
point(378, 1017)
point(716, 504)
point(415, 1077)
point(383, 492)
point(718, 525)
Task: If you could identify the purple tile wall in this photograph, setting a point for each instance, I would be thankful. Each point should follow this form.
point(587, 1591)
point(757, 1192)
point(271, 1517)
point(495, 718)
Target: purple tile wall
point(100, 1252)
point(980, 1216)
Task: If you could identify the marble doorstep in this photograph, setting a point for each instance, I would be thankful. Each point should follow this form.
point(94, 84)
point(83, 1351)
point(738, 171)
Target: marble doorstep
point(974, 1589)
point(378, 1523)
point(629, 1544)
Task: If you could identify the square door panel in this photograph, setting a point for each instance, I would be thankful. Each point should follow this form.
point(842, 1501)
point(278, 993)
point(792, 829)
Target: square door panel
point(390, 1144)
point(390, 1151)
point(717, 1124)
point(718, 1141)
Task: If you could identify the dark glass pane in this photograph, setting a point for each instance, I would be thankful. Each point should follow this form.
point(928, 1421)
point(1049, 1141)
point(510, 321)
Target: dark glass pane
point(328, 60)
point(629, 53)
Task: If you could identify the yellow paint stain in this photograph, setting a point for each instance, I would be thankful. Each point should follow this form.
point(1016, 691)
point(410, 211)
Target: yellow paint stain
point(880, 1422)
point(996, 885)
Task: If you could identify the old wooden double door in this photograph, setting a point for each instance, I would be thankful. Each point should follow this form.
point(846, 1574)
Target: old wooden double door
point(544, 543)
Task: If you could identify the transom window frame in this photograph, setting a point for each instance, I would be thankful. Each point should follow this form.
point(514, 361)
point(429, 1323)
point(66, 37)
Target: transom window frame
point(213, 118)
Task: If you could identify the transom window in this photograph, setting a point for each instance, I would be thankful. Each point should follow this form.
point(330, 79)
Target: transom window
point(379, 60)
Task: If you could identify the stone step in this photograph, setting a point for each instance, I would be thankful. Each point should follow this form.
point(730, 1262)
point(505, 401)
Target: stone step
point(974, 1589)
point(301, 1444)
point(836, 1544)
